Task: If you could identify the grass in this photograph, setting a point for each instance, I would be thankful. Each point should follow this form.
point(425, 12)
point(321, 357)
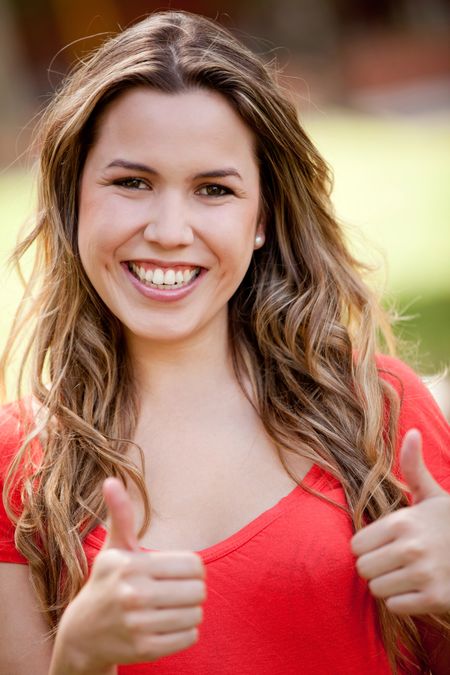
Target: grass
point(391, 191)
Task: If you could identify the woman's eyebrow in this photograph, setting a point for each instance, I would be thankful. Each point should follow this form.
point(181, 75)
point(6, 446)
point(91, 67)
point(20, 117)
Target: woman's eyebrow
point(135, 166)
point(219, 173)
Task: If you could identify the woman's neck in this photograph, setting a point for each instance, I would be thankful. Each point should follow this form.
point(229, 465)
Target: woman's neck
point(175, 372)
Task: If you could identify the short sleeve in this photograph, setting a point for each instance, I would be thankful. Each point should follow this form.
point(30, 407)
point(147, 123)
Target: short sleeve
point(419, 410)
point(10, 440)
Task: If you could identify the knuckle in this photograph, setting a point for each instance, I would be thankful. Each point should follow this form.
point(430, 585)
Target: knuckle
point(192, 561)
point(184, 563)
point(131, 622)
point(164, 594)
point(361, 568)
point(198, 615)
point(145, 648)
point(128, 596)
point(374, 587)
point(125, 565)
point(113, 560)
point(395, 605)
point(198, 566)
point(200, 590)
point(149, 598)
point(423, 576)
point(434, 601)
point(151, 647)
point(428, 600)
point(188, 618)
point(402, 524)
point(134, 596)
point(413, 550)
point(189, 637)
point(106, 561)
point(191, 617)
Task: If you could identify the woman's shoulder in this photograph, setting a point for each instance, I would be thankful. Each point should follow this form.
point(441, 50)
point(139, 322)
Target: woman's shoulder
point(416, 400)
point(401, 376)
point(419, 410)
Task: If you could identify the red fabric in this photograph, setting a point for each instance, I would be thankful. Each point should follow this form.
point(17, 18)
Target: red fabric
point(12, 433)
point(283, 593)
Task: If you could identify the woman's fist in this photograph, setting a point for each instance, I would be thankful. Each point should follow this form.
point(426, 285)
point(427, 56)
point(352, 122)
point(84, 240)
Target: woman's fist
point(136, 606)
point(405, 556)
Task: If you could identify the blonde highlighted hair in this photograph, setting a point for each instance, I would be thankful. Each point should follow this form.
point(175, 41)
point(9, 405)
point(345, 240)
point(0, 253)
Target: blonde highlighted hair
point(303, 325)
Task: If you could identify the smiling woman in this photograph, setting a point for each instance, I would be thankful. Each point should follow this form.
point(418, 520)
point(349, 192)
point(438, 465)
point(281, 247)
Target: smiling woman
point(149, 216)
point(204, 363)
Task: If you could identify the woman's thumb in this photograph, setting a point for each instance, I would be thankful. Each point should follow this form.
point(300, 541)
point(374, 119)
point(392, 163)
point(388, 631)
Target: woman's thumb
point(121, 532)
point(420, 481)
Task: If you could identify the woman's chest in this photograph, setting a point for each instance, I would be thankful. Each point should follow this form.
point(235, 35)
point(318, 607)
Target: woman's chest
point(202, 497)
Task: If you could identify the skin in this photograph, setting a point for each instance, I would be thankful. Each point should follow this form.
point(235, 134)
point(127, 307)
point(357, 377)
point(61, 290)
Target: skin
point(170, 215)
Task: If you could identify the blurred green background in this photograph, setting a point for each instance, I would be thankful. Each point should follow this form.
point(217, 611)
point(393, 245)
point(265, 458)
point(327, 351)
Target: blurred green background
point(372, 85)
point(392, 180)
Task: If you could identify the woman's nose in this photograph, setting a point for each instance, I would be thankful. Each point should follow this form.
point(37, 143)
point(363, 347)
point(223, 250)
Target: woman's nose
point(169, 225)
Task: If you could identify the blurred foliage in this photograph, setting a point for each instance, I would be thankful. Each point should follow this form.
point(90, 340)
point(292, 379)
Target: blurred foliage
point(391, 193)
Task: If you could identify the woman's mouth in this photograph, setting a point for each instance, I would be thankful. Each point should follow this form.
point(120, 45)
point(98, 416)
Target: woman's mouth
point(164, 279)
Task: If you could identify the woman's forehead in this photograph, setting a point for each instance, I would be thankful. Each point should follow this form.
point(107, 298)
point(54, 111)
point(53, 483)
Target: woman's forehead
point(188, 125)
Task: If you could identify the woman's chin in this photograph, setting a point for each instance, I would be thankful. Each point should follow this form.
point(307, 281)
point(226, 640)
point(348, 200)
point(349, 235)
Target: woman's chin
point(159, 335)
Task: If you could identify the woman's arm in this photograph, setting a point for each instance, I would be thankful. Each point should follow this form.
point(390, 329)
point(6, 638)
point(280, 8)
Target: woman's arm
point(24, 643)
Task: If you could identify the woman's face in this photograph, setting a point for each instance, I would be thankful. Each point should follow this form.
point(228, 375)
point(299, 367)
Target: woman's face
point(169, 210)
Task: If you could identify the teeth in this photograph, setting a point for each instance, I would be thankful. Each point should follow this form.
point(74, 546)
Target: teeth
point(169, 277)
point(164, 280)
point(158, 277)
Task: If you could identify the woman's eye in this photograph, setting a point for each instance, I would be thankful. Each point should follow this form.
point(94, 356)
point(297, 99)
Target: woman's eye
point(214, 191)
point(132, 183)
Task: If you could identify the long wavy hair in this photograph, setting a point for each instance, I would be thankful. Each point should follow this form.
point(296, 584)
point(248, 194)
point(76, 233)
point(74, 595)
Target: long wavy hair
point(303, 324)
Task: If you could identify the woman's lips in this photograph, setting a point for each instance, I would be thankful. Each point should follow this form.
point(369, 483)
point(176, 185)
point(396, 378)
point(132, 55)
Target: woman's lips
point(160, 294)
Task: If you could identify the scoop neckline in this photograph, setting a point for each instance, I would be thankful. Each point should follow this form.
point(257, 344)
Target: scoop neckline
point(96, 537)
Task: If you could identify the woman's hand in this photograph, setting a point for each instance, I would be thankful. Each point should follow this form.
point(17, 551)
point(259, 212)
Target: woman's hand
point(406, 555)
point(135, 607)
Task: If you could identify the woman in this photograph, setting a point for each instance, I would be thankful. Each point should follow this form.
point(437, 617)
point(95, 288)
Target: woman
point(204, 379)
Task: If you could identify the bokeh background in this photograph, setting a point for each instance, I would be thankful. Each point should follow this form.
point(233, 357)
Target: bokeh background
point(372, 81)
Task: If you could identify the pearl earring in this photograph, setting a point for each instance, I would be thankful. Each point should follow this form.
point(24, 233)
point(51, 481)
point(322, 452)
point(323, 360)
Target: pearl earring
point(259, 240)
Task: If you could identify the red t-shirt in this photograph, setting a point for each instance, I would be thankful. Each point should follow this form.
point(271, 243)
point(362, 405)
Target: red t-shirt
point(284, 596)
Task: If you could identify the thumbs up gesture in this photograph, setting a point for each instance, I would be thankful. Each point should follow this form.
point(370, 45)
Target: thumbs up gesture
point(136, 606)
point(405, 556)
